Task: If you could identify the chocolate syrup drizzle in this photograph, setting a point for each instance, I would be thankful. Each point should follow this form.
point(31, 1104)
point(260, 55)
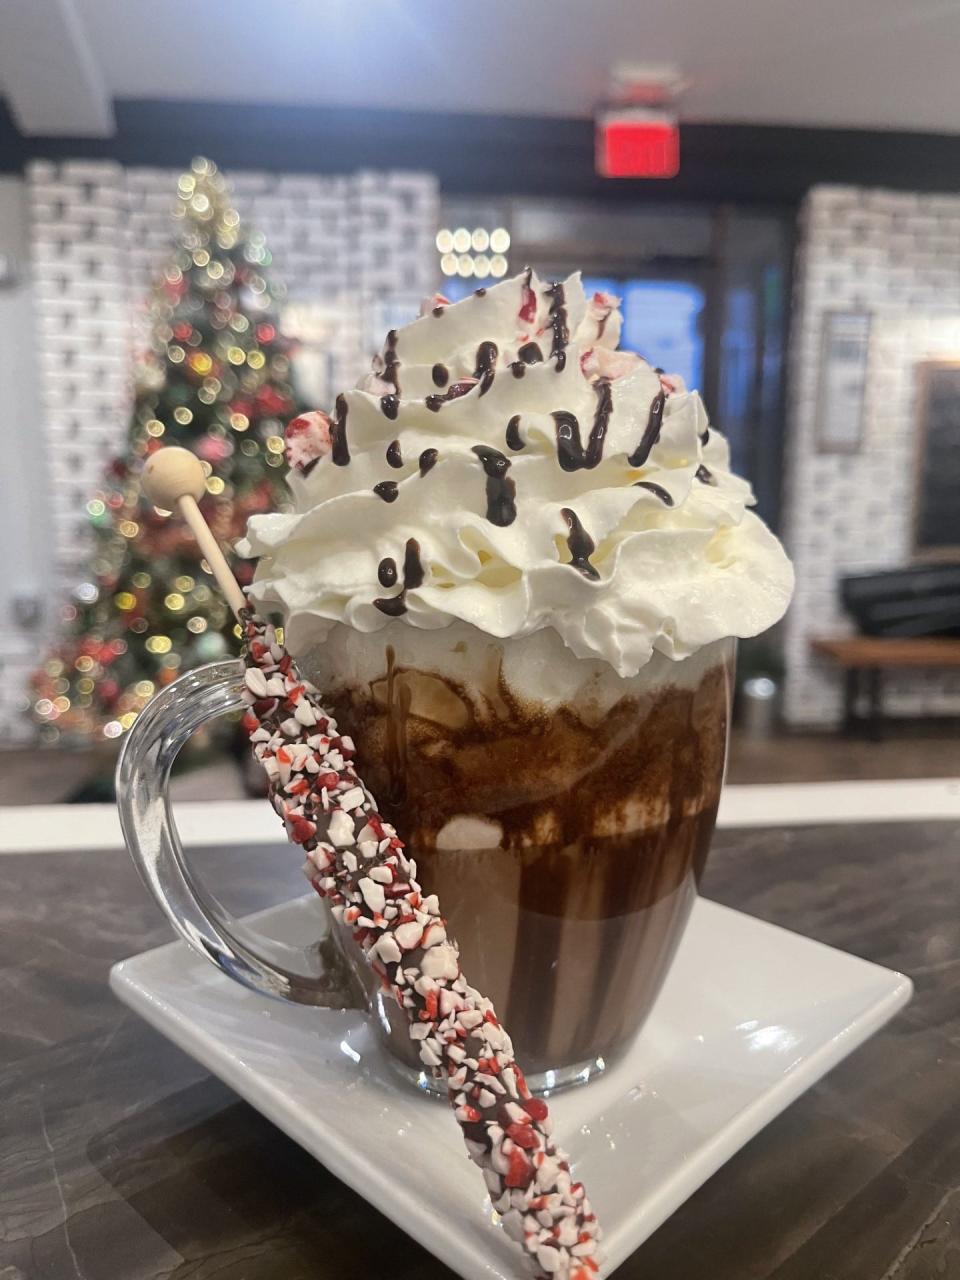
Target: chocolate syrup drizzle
point(570, 452)
point(515, 440)
point(651, 433)
point(486, 369)
point(704, 475)
point(480, 293)
point(529, 353)
point(440, 374)
point(501, 490)
point(413, 575)
point(454, 392)
point(656, 489)
point(569, 447)
point(438, 312)
point(601, 421)
point(558, 324)
point(339, 450)
point(428, 460)
point(390, 406)
point(581, 545)
point(387, 490)
point(390, 362)
point(387, 572)
point(394, 456)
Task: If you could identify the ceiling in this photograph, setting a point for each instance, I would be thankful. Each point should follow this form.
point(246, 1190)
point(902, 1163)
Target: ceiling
point(862, 63)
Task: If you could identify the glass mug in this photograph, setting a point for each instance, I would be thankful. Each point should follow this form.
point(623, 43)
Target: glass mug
point(564, 839)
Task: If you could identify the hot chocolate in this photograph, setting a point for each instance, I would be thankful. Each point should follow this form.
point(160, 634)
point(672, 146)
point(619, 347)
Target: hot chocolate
point(561, 813)
point(516, 560)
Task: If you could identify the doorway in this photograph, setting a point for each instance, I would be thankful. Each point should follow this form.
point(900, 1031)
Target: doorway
point(704, 292)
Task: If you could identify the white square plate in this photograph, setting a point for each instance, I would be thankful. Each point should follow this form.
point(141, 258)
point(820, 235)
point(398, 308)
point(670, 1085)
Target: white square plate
point(749, 1018)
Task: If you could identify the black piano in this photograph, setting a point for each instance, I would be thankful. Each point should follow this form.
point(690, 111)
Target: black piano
point(923, 600)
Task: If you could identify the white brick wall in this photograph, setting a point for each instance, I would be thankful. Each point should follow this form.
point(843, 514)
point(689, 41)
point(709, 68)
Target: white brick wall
point(896, 255)
point(99, 232)
point(23, 527)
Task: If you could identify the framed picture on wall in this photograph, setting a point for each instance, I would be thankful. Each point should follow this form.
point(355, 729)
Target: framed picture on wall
point(936, 504)
point(843, 374)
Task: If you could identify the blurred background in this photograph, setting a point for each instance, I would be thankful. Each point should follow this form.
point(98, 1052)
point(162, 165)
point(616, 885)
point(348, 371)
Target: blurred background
point(773, 191)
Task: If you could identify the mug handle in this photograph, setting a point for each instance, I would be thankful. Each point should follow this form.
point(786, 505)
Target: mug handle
point(317, 975)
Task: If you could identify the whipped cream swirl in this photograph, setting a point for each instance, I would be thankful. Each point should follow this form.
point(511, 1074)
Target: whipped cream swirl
point(506, 466)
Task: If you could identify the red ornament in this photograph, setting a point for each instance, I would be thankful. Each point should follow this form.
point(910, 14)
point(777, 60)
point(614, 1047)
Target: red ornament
point(109, 692)
point(259, 499)
point(175, 289)
point(270, 403)
point(214, 449)
point(265, 332)
point(182, 331)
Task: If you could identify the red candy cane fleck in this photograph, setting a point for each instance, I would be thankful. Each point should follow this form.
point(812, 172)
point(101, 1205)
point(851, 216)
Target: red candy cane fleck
point(528, 301)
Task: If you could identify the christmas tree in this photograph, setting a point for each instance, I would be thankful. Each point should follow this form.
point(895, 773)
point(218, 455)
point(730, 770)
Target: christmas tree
point(216, 380)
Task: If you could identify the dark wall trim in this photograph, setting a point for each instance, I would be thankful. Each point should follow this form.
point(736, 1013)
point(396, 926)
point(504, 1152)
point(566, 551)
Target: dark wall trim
point(501, 155)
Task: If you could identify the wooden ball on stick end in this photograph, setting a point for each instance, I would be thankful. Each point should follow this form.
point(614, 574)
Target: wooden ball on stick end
point(174, 480)
point(171, 474)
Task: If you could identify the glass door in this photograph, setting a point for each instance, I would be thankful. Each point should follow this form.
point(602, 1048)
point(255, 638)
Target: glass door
point(662, 320)
point(704, 294)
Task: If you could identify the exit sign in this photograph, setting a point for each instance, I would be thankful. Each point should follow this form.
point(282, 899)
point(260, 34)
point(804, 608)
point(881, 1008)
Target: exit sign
point(637, 143)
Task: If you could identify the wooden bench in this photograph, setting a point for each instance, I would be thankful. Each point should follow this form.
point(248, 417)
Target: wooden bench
point(864, 660)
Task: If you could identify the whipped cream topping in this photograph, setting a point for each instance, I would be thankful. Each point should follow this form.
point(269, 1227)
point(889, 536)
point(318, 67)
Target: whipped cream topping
point(506, 466)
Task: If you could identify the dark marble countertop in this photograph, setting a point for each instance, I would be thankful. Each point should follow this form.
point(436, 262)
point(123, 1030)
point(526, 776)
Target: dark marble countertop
point(121, 1159)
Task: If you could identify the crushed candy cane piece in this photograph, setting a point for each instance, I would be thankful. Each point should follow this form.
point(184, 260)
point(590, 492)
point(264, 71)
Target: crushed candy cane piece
point(307, 440)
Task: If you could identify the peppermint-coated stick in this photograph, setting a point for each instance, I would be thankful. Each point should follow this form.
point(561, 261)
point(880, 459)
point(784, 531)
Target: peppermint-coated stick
point(356, 860)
